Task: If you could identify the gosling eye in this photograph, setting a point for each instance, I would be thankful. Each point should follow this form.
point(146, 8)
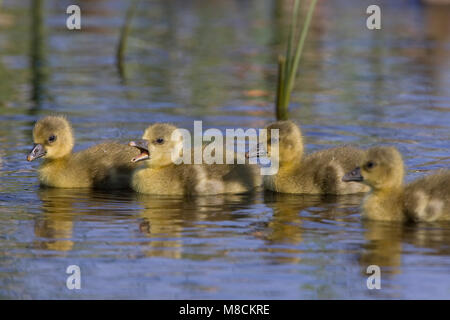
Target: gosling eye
point(52, 138)
point(160, 141)
point(370, 165)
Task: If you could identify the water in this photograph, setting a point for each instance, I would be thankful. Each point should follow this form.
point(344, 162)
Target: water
point(203, 60)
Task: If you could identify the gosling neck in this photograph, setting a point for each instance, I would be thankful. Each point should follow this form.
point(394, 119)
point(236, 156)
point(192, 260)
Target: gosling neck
point(388, 192)
point(59, 160)
point(159, 166)
point(384, 204)
point(291, 161)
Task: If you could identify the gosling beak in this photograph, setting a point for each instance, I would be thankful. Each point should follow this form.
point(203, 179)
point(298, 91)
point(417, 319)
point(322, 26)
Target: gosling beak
point(142, 145)
point(37, 152)
point(354, 175)
point(258, 152)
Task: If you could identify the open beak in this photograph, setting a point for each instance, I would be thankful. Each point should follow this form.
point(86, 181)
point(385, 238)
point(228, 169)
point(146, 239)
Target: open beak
point(142, 145)
point(354, 175)
point(37, 152)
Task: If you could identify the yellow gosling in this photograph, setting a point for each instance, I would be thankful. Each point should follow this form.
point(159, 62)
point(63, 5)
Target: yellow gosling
point(317, 173)
point(159, 175)
point(105, 165)
point(382, 169)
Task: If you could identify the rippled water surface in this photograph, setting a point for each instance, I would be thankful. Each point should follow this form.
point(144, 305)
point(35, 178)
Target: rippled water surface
point(215, 61)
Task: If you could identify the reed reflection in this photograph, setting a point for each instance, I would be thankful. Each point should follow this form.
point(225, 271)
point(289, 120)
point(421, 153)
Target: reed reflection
point(437, 26)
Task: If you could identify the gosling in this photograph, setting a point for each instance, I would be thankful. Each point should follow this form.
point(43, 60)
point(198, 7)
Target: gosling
point(160, 175)
point(104, 166)
point(317, 173)
point(425, 199)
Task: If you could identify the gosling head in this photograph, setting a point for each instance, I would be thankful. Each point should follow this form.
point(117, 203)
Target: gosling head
point(53, 138)
point(156, 145)
point(289, 142)
point(382, 168)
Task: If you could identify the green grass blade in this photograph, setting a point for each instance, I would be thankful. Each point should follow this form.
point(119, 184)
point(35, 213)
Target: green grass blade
point(288, 65)
point(281, 110)
point(298, 51)
point(292, 34)
point(123, 40)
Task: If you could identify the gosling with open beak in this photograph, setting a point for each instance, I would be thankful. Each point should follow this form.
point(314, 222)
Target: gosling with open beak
point(142, 145)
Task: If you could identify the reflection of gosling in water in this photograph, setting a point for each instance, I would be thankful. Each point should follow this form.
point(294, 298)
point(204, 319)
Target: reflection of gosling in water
point(160, 175)
point(317, 173)
point(105, 165)
point(426, 199)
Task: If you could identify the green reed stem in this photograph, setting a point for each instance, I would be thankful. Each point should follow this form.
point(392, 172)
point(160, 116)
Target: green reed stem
point(123, 40)
point(280, 88)
point(288, 67)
